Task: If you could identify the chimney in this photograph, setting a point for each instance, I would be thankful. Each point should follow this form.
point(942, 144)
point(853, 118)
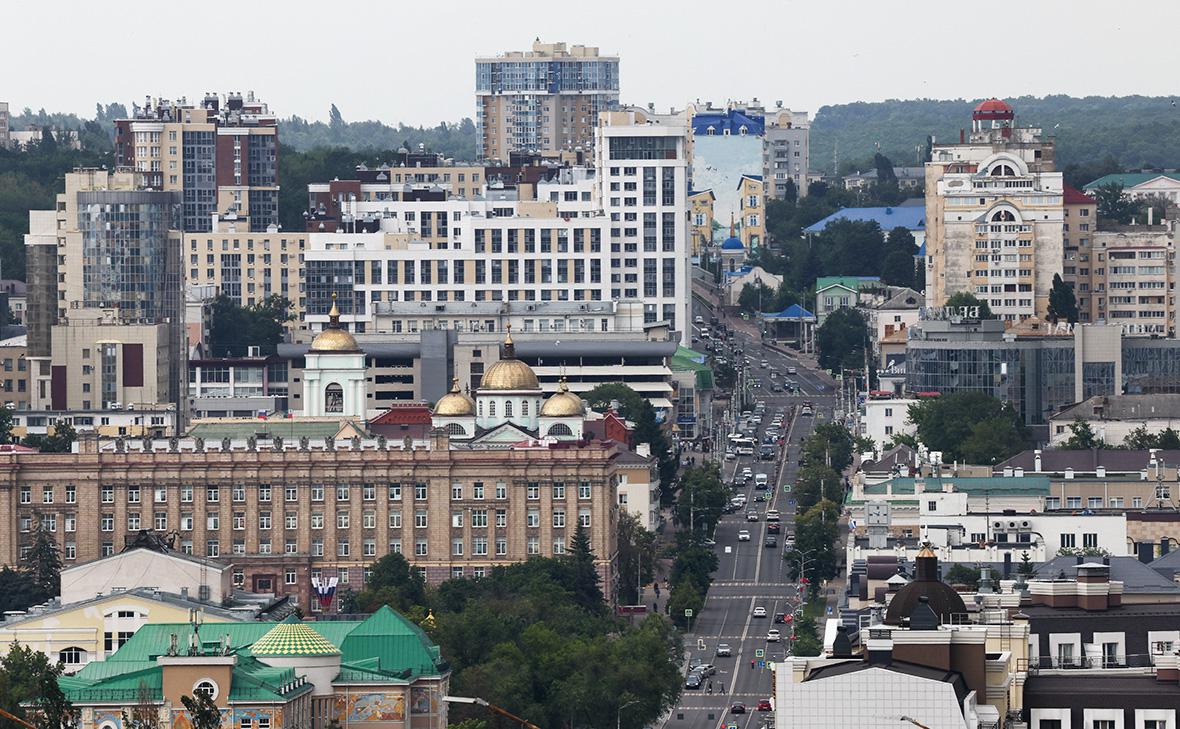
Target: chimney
point(1037, 460)
point(184, 593)
point(962, 135)
point(1019, 473)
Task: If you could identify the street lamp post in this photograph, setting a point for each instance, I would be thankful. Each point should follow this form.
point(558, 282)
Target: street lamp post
point(619, 713)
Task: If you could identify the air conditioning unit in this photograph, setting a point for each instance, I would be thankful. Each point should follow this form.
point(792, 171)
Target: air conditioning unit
point(1011, 525)
point(1025, 524)
point(998, 525)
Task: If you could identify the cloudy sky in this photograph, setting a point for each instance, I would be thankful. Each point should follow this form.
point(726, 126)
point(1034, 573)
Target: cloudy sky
point(412, 62)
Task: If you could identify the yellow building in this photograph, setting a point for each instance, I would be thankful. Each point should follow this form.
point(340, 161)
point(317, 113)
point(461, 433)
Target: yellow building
point(751, 192)
point(700, 221)
point(91, 630)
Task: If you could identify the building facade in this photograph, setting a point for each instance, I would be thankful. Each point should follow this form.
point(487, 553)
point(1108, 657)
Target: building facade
point(546, 100)
point(786, 152)
point(642, 162)
point(14, 373)
point(106, 310)
point(750, 207)
point(995, 216)
point(221, 155)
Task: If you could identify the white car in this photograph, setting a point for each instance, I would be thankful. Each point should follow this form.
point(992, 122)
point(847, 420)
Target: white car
point(744, 535)
point(773, 636)
point(760, 612)
point(792, 371)
point(772, 515)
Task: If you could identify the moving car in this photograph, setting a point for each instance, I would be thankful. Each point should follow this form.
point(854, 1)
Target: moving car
point(772, 515)
point(773, 527)
point(706, 670)
point(792, 370)
point(699, 320)
point(771, 541)
point(763, 364)
point(693, 681)
point(773, 635)
point(751, 515)
point(780, 618)
point(724, 650)
point(759, 612)
point(744, 535)
point(764, 705)
point(737, 709)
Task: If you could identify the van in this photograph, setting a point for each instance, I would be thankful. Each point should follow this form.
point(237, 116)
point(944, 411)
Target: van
point(760, 481)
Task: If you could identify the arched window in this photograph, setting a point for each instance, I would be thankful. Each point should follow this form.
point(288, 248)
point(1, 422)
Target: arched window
point(455, 429)
point(1003, 216)
point(560, 429)
point(333, 398)
point(1003, 170)
point(72, 656)
point(206, 686)
point(492, 409)
point(508, 409)
point(524, 408)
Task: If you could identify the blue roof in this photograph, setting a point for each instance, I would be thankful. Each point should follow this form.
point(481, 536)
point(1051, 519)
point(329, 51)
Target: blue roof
point(731, 119)
point(732, 244)
point(922, 249)
point(907, 216)
point(750, 177)
point(794, 311)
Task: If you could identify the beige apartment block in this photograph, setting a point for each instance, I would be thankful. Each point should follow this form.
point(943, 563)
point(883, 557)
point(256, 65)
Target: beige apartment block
point(14, 373)
point(1127, 275)
point(751, 203)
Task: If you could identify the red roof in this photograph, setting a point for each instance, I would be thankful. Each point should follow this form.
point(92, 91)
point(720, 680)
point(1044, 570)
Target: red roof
point(403, 414)
point(993, 109)
point(993, 105)
point(1074, 196)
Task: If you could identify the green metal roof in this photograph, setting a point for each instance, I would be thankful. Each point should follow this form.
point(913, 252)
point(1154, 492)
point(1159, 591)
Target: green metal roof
point(688, 360)
point(852, 283)
point(267, 429)
point(1006, 485)
point(1130, 179)
point(384, 648)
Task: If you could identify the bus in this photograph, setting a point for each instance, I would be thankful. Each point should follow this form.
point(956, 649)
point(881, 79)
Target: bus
point(741, 444)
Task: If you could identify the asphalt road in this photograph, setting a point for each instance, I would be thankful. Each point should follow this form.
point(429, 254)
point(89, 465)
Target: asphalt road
point(751, 575)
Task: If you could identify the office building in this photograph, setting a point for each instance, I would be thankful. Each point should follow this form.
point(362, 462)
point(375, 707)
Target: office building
point(221, 155)
point(243, 387)
point(105, 316)
point(1039, 369)
point(786, 152)
point(994, 216)
point(642, 163)
point(545, 101)
point(5, 132)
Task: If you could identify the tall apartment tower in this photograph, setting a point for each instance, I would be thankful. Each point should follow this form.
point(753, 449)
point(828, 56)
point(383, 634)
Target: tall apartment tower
point(786, 151)
point(994, 216)
point(106, 297)
point(544, 101)
point(221, 155)
point(642, 161)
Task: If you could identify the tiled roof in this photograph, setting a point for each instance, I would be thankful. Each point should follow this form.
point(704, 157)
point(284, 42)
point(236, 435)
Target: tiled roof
point(293, 639)
point(403, 414)
point(888, 218)
point(1074, 196)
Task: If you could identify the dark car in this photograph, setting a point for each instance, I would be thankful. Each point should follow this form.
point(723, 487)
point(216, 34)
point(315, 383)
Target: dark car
point(780, 618)
point(737, 709)
point(693, 681)
point(771, 541)
point(773, 527)
point(764, 705)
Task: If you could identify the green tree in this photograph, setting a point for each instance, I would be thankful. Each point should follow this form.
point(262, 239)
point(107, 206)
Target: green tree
point(815, 482)
point(61, 441)
point(724, 375)
point(694, 561)
point(1082, 437)
point(636, 557)
point(202, 711)
point(635, 408)
point(1114, 204)
point(234, 328)
point(807, 642)
point(392, 582)
point(842, 340)
point(965, 298)
point(583, 572)
point(18, 590)
point(1169, 440)
point(1026, 566)
point(685, 596)
point(969, 426)
point(702, 498)
point(961, 574)
point(29, 690)
point(1141, 439)
point(756, 297)
point(6, 421)
point(1062, 302)
point(44, 562)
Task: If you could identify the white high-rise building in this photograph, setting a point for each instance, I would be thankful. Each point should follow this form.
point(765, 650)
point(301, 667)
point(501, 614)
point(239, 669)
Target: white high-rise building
point(642, 161)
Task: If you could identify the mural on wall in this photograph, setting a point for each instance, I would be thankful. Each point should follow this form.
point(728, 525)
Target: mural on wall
point(108, 720)
point(376, 707)
point(181, 719)
point(421, 701)
point(718, 163)
point(254, 719)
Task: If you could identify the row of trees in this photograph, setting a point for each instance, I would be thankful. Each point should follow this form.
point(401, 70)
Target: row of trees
point(537, 639)
point(969, 427)
point(699, 507)
point(819, 492)
point(1083, 438)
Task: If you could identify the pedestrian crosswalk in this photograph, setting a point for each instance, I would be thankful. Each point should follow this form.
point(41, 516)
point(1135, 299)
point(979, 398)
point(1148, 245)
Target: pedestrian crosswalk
point(750, 583)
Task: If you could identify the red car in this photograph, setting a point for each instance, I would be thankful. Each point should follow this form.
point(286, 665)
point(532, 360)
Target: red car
point(764, 705)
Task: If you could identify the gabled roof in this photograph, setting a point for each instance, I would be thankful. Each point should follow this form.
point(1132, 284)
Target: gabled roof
point(888, 218)
point(899, 455)
point(707, 191)
point(793, 312)
point(1131, 179)
point(755, 178)
point(852, 283)
point(716, 121)
point(1074, 196)
point(403, 414)
point(905, 298)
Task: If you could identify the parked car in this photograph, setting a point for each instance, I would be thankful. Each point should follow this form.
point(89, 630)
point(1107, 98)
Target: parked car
point(706, 670)
point(724, 650)
point(759, 612)
point(773, 635)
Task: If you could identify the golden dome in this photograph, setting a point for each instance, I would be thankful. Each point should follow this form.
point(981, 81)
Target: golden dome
point(509, 373)
point(455, 403)
point(563, 403)
point(333, 338)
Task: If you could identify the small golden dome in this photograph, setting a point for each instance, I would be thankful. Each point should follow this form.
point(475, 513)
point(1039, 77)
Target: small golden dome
point(333, 338)
point(455, 403)
point(509, 373)
point(563, 403)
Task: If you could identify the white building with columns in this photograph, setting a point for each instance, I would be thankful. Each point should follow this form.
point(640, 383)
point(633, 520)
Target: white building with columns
point(334, 373)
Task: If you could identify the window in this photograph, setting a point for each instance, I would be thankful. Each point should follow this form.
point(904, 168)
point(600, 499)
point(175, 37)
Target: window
point(212, 548)
point(420, 547)
point(1090, 541)
point(342, 549)
point(420, 519)
point(132, 494)
point(107, 495)
point(583, 490)
point(292, 494)
point(206, 686)
point(479, 518)
point(47, 495)
point(559, 518)
point(342, 519)
point(342, 493)
point(501, 490)
point(317, 548)
point(534, 518)
point(533, 491)
point(1067, 541)
point(264, 520)
point(584, 517)
point(333, 398)
point(369, 492)
point(264, 494)
point(317, 492)
point(238, 493)
point(457, 547)
point(186, 494)
point(501, 518)
point(501, 546)
point(456, 492)
point(71, 494)
point(160, 496)
point(107, 523)
point(559, 545)
point(317, 520)
point(71, 523)
point(477, 490)
point(1073, 502)
point(212, 495)
point(420, 492)
point(1094, 502)
point(288, 579)
point(534, 545)
point(931, 506)
point(213, 522)
point(369, 520)
point(72, 656)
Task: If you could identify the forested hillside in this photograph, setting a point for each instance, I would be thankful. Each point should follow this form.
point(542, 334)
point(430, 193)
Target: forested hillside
point(1137, 131)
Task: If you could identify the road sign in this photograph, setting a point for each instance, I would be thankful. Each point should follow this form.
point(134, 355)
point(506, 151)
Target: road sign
point(728, 550)
point(762, 664)
point(688, 612)
point(759, 652)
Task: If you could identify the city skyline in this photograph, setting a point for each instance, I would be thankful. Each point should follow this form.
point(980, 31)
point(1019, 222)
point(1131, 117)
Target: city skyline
point(872, 61)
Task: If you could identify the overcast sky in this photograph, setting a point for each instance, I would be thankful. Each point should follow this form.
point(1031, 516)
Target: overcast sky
point(413, 62)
